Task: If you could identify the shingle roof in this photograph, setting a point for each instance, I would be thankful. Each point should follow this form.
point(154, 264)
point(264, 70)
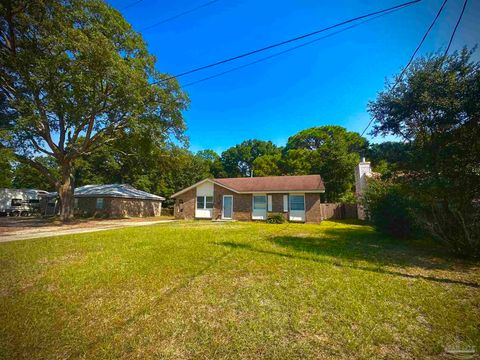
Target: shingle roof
point(115, 190)
point(300, 183)
point(274, 183)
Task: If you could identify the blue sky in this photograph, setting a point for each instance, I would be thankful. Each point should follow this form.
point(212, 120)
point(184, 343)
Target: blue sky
point(328, 82)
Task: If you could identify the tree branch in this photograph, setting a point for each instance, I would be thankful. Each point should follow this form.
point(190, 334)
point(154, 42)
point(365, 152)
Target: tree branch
point(39, 148)
point(38, 166)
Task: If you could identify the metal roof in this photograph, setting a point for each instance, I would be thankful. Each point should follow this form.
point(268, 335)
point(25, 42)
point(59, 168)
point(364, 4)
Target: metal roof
point(113, 190)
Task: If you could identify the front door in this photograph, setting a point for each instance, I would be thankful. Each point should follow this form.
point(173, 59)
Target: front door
point(227, 211)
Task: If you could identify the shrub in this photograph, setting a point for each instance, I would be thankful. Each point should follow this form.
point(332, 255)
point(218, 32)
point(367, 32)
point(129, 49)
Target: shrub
point(391, 209)
point(275, 219)
point(456, 227)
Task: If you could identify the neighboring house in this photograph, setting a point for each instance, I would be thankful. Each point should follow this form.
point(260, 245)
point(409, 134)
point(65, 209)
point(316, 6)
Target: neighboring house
point(112, 200)
point(296, 197)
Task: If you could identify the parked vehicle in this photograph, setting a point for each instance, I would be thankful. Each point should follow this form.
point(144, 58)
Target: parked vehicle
point(20, 202)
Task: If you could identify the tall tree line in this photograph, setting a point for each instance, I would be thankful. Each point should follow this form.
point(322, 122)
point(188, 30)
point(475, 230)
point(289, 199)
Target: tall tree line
point(163, 168)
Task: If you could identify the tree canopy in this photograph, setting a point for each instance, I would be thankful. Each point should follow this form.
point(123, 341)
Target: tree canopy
point(73, 75)
point(331, 151)
point(435, 108)
point(238, 160)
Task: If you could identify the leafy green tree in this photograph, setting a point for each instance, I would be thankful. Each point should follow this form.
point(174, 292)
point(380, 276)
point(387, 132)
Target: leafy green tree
point(6, 173)
point(435, 109)
point(388, 156)
point(268, 165)
point(75, 74)
point(214, 163)
point(27, 177)
point(104, 166)
point(297, 161)
point(238, 160)
point(144, 162)
point(391, 208)
point(331, 151)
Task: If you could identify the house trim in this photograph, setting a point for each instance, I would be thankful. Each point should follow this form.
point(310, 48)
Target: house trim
point(200, 183)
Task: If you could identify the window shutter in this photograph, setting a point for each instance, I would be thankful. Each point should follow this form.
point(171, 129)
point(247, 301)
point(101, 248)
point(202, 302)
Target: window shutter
point(285, 203)
point(269, 202)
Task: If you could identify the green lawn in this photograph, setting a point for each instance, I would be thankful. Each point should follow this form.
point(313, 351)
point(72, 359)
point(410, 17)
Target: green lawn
point(234, 290)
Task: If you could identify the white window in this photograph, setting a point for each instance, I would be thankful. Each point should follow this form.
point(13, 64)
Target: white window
point(204, 202)
point(285, 203)
point(259, 202)
point(100, 203)
point(297, 202)
point(269, 203)
point(208, 202)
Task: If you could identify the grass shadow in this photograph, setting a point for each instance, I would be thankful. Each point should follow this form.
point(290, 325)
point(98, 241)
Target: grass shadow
point(364, 243)
point(333, 262)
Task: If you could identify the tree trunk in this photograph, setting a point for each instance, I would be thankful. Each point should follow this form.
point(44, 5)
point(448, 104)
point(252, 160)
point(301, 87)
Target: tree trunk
point(65, 192)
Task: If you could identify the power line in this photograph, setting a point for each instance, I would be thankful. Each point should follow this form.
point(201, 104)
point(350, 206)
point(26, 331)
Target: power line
point(179, 15)
point(288, 41)
point(287, 50)
point(130, 5)
point(399, 78)
point(456, 26)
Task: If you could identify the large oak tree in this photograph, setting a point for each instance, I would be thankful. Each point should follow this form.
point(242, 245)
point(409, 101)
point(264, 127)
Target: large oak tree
point(73, 75)
point(331, 151)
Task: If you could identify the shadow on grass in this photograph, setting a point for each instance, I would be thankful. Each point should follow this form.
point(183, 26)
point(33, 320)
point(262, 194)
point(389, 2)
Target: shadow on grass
point(335, 245)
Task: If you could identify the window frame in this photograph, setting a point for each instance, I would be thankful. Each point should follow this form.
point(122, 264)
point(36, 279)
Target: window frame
point(202, 198)
point(99, 200)
point(265, 203)
point(206, 204)
point(291, 197)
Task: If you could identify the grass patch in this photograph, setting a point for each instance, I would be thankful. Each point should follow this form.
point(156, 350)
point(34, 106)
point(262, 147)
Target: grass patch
point(234, 290)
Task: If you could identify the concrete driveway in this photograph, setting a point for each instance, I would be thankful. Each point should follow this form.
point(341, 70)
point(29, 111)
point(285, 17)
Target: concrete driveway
point(13, 229)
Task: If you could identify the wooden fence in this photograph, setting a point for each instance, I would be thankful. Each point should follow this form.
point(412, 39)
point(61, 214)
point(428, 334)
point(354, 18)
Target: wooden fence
point(338, 211)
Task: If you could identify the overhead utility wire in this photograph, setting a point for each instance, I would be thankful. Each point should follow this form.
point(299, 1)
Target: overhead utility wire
point(456, 26)
point(287, 50)
point(287, 41)
point(179, 15)
point(130, 5)
point(399, 78)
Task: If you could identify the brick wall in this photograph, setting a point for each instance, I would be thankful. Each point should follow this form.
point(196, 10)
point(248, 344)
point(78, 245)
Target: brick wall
point(133, 207)
point(277, 205)
point(313, 212)
point(117, 207)
point(189, 198)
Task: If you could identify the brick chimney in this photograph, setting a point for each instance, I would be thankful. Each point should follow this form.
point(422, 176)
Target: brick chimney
point(362, 172)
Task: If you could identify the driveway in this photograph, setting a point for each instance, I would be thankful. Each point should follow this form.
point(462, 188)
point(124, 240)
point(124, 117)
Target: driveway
point(13, 229)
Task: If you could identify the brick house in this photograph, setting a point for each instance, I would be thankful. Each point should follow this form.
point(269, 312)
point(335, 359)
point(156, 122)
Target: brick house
point(110, 200)
point(297, 198)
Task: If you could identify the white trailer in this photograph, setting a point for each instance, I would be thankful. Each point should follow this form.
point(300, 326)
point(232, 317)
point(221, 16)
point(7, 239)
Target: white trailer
point(20, 202)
